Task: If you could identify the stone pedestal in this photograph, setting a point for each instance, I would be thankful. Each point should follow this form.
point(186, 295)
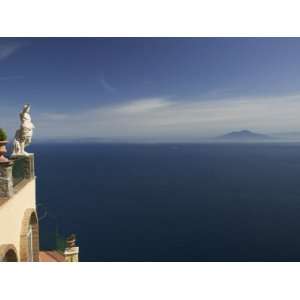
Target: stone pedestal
point(29, 166)
point(6, 180)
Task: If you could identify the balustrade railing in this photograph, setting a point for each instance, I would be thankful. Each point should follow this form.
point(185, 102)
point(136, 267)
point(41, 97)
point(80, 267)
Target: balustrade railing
point(19, 170)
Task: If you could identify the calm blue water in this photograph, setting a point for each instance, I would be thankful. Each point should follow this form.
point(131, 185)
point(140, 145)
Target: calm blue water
point(173, 202)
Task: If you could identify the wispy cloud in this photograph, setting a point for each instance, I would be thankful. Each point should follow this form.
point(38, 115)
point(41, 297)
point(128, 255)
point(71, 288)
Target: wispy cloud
point(142, 106)
point(12, 77)
point(106, 85)
point(163, 118)
point(8, 49)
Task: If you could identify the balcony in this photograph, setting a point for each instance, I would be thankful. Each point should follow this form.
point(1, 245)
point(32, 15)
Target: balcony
point(14, 174)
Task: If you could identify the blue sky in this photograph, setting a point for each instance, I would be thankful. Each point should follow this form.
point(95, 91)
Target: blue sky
point(160, 88)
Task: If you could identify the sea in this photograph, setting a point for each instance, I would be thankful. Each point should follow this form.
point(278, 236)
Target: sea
point(171, 202)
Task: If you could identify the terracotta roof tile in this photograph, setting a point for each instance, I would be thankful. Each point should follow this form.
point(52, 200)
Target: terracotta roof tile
point(51, 256)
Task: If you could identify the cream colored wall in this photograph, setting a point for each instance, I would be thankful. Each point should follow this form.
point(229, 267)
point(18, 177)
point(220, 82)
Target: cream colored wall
point(12, 212)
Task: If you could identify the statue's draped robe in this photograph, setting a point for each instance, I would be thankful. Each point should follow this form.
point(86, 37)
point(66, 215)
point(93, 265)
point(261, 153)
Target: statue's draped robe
point(26, 126)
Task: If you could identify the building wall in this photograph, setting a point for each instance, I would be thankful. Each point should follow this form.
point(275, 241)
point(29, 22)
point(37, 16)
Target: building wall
point(12, 214)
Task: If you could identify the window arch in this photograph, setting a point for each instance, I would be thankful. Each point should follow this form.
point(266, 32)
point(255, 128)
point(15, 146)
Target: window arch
point(8, 253)
point(29, 240)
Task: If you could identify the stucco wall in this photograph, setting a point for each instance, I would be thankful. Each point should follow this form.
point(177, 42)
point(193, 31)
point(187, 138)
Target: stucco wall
point(12, 213)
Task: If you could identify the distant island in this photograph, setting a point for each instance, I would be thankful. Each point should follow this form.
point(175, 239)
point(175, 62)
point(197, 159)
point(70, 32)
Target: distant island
point(244, 136)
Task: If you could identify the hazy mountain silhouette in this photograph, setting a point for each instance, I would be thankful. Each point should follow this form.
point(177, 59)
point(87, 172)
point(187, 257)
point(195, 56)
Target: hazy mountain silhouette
point(244, 135)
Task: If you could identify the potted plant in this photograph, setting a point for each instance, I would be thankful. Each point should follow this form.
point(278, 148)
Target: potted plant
point(3, 142)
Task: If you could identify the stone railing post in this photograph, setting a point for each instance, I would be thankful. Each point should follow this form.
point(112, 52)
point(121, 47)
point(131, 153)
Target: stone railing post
point(6, 179)
point(29, 166)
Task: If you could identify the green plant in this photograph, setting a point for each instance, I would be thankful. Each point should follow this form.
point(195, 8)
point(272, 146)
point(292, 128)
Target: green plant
point(3, 135)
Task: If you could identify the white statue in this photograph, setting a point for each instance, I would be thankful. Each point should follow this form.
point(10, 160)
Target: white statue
point(23, 135)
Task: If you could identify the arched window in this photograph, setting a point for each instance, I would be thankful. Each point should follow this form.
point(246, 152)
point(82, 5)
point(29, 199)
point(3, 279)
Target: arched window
point(29, 243)
point(10, 256)
point(8, 253)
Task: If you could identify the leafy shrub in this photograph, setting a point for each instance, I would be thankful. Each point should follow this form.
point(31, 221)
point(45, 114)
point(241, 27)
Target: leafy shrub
point(3, 135)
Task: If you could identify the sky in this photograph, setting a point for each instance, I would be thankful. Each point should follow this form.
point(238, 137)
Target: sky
point(150, 88)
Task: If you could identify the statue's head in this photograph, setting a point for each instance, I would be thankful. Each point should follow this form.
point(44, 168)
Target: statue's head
point(26, 108)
